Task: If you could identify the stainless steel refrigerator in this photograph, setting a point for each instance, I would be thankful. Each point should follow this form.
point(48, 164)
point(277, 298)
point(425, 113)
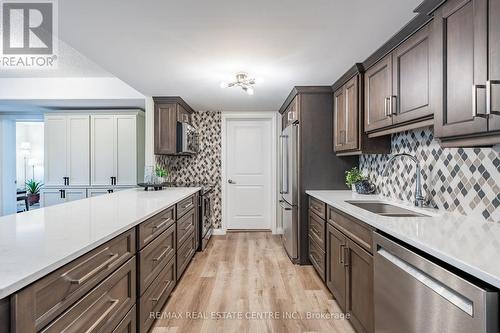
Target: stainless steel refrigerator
point(289, 189)
point(308, 162)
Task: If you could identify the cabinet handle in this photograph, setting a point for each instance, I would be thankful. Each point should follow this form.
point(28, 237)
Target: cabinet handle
point(68, 180)
point(114, 303)
point(391, 106)
point(474, 100)
point(347, 256)
point(341, 253)
point(489, 110)
point(386, 109)
point(163, 254)
point(95, 271)
point(156, 299)
point(160, 225)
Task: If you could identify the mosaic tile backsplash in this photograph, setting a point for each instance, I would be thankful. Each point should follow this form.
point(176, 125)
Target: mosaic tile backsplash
point(204, 167)
point(463, 180)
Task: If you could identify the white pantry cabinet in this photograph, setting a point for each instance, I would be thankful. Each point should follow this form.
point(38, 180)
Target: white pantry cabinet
point(95, 192)
point(54, 196)
point(67, 150)
point(117, 149)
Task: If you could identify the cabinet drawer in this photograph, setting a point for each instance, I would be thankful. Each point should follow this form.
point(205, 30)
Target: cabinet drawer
point(317, 206)
point(184, 254)
point(128, 324)
point(103, 308)
point(41, 302)
point(151, 228)
point(185, 205)
point(156, 296)
point(154, 257)
point(354, 229)
point(317, 230)
point(317, 257)
point(185, 225)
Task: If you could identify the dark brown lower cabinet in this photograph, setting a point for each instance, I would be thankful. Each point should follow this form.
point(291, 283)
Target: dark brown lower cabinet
point(359, 264)
point(335, 268)
point(349, 276)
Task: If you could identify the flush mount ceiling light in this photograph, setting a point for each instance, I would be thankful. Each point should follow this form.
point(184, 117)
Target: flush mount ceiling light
point(242, 81)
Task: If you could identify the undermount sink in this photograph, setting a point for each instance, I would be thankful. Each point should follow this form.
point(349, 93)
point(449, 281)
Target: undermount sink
point(385, 209)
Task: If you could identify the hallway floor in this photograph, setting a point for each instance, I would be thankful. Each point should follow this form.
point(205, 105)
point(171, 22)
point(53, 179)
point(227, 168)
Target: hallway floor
point(244, 282)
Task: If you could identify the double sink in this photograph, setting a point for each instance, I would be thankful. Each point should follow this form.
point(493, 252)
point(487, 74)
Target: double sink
point(385, 209)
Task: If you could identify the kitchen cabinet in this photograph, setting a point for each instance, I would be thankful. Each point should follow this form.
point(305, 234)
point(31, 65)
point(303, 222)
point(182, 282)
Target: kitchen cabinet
point(291, 114)
point(67, 144)
point(465, 48)
point(115, 285)
point(397, 89)
point(349, 137)
point(54, 196)
point(116, 154)
point(167, 112)
point(359, 296)
point(336, 279)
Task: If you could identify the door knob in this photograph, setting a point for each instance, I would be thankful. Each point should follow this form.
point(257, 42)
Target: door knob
point(230, 181)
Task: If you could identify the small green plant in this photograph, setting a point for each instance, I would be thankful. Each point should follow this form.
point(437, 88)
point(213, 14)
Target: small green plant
point(161, 171)
point(353, 176)
point(33, 187)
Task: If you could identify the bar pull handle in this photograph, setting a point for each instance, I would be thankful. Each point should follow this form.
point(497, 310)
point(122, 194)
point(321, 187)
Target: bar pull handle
point(474, 100)
point(95, 271)
point(489, 110)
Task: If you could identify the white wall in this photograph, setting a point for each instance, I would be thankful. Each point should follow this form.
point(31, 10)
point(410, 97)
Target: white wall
point(31, 132)
point(149, 139)
point(7, 166)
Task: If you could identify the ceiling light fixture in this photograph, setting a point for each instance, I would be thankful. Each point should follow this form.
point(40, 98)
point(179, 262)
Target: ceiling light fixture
point(242, 81)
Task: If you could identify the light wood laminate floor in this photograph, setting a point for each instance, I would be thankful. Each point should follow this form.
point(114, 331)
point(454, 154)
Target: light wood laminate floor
point(244, 282)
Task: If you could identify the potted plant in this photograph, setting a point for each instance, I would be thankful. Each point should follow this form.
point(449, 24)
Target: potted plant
point(352, 177)
point(33, 191)
point(161, 174)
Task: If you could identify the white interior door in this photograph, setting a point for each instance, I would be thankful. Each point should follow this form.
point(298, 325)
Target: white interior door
point(248, 171)
point(102, 149)
point(126, 146)
point(78, 141)
point(55, 140)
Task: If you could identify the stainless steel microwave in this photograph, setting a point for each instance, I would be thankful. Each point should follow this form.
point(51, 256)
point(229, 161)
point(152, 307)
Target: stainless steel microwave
point(187, 139)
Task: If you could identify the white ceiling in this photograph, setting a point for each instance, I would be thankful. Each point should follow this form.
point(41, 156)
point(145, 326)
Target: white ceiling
point(187, 47)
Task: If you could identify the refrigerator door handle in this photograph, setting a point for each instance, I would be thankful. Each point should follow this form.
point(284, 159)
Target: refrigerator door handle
point(285, 163)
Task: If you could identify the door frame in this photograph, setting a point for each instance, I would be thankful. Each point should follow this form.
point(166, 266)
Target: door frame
point(273, 116)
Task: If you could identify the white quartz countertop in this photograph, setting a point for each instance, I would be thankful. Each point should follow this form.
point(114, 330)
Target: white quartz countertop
point(35, 243)
point(467, 243)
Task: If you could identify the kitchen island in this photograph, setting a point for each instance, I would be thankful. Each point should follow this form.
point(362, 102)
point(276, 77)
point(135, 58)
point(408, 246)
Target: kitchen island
point(81, 245)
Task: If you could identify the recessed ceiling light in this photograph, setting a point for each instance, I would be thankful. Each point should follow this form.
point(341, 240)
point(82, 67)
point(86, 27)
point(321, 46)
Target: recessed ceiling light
point(242, 81)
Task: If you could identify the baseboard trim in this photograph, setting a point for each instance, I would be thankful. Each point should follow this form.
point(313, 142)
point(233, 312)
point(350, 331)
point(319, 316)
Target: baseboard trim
point(219, 232)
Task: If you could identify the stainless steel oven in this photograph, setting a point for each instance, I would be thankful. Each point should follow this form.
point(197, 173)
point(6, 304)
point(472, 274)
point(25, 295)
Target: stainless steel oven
point(206, 212)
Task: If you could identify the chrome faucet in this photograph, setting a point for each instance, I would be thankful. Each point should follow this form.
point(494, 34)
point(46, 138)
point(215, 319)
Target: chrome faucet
point(419, 198)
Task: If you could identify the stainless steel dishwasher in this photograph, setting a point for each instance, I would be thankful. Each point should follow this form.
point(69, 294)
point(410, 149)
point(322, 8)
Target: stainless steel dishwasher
point(414, 295)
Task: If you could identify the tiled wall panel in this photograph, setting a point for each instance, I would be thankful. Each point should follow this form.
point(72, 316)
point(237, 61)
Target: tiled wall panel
point(205, 167)
point(465, 180)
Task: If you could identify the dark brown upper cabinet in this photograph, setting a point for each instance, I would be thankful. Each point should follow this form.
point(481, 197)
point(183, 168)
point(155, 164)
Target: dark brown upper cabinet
point(167, 112)
point(465, 48)
point(348, 136)
point(397, 88)
point(378, 91)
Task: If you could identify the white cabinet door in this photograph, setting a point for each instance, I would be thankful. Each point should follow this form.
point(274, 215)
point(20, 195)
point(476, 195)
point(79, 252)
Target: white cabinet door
point(55, 150)
point(126, 150)
point(78, 156)
point(75, 194)
point(102, 162)
point(95, 192)
point(51, 197)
